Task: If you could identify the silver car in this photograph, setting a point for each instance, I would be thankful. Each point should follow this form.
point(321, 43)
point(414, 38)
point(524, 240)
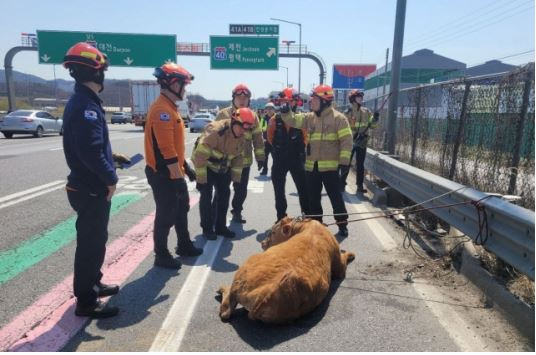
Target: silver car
point(34, 122)
point(199, 121)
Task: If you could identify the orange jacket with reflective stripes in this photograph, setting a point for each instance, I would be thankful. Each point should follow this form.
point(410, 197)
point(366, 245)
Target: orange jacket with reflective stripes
point(164, 136)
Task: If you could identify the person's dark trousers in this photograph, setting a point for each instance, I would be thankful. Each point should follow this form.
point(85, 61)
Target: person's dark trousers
point(221, 184)
point(280, 168)
point(360, 156)
point(240, 192)
point(344, 174)
point(91, 235)
point(330, 180)
point(172, 206)
point(267, 151)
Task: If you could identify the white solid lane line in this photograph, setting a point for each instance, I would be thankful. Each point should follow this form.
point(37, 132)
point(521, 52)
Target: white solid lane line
point(31, 190)
point(374, 225)
point(28, 197)
point(170, 335)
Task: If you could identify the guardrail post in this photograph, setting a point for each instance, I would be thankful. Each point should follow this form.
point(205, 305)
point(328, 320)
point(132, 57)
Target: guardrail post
point(519, 132)
point(415, 126)
point(459, 135)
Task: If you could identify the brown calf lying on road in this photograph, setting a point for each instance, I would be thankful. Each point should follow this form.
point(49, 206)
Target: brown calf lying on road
point(291, 277)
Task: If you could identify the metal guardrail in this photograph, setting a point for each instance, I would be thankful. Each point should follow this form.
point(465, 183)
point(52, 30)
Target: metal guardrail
point(511, 228)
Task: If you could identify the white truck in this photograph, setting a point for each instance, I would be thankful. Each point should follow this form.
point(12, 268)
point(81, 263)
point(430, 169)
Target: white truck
point(144, 93)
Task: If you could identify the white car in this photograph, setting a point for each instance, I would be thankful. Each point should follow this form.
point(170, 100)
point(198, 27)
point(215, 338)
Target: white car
point(199, 121)
point(34, 122)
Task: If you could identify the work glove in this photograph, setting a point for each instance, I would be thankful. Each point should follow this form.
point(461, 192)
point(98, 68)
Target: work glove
point(344, 169)
point(376, 116)
point(260, 165)
point(119, 160)
point(285, 108)
point(189, 172)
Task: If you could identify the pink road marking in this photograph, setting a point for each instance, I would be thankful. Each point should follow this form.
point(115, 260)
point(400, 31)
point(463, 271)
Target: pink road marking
point(50, 322)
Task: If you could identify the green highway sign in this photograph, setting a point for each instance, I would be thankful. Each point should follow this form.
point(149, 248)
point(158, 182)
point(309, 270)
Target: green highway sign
point(235, 52)
point(254, 29)
point(122, 49)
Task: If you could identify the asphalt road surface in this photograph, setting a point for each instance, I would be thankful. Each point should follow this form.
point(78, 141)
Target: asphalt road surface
point(372, 309)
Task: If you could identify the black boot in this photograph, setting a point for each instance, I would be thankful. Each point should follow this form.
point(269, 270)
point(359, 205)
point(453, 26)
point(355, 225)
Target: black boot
point(107, 290)
point(209, 234)
point(167, 262)
point(237, 218)
point(187, 248)
point(343, 231)
point(97, 310)
point(226, 232)
point(264, 172)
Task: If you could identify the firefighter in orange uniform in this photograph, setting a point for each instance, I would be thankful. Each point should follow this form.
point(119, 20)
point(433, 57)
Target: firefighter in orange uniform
point(166, 166)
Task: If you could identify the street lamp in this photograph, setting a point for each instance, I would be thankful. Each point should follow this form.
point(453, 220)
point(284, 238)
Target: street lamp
point(299, 58)
point(287, 72)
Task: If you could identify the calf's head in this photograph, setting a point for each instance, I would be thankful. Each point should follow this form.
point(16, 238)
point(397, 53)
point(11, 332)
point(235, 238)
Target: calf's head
point(281, 232)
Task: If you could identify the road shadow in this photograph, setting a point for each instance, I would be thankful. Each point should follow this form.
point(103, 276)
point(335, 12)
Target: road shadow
point(263, 336)
point(134, 301)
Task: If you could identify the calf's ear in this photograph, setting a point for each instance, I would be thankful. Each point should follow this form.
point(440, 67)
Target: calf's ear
point(286, 230)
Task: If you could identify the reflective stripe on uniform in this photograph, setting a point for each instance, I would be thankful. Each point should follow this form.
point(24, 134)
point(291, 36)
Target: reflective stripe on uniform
point(323, 165)
point(343, 132)
point(345, 154)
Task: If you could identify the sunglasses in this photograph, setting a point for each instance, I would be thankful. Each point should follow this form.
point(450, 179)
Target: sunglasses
point(242, 92)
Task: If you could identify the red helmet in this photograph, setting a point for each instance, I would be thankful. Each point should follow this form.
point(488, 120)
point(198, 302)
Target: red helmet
point(355, 93)
point(288, 94)
point(245, 117)
point(85, 54)
point(241, 89)
point(171, 72)
point(324, 92)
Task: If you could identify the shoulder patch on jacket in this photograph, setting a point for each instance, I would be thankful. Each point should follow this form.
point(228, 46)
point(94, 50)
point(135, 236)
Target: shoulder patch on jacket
point(164, 116)
point(90, 115)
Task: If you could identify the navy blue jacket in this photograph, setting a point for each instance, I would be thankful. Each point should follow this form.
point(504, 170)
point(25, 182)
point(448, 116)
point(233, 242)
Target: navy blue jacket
point(86, 143)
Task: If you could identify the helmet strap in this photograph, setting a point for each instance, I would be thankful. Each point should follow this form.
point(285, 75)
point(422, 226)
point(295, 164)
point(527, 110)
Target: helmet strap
point(177, 94)
point(323, 105)
point(234, 122)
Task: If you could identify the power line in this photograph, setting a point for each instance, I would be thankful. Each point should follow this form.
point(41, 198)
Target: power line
point(464, 32)
point(451, 24)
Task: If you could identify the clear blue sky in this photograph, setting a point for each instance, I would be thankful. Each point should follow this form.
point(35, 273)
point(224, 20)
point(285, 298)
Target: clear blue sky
point(340, 31)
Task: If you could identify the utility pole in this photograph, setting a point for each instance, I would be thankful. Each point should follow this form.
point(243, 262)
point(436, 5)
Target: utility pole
point(385, 71)
point(395, 74)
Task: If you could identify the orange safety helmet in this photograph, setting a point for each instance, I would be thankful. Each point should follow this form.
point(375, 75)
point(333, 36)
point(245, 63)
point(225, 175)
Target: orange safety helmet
point(288, 94)
point(85, 54)
point(245, 117)
point(171, 72)
point(355, 93)
point(324, 92)
point(241, 89)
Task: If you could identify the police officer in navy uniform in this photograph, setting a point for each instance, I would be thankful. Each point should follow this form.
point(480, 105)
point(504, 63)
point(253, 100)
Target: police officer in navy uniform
point(288, 152)
point(92, 180)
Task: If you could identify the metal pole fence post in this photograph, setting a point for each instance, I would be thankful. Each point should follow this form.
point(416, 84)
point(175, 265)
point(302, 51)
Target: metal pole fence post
point(516, 157)
point(459, 134)
point(416, 126)
point(395, 74)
